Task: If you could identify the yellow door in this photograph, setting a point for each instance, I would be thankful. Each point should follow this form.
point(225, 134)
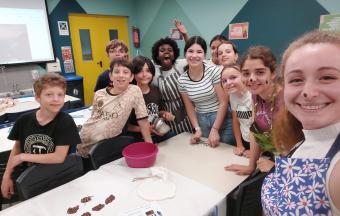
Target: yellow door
point(90, 35)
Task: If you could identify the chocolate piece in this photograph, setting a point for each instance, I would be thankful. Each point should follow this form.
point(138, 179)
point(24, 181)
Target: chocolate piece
point(109, 199)
point(86, 214)
point(72, 210)
point(98, 207)
point(86, 199)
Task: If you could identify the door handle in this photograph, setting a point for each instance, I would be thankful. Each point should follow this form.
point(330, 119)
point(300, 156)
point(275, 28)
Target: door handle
point(100, 63)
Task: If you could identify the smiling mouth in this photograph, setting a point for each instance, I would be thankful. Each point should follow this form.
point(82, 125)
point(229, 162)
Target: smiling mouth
point(313, 107)
point(253, 86)
point(231, 87)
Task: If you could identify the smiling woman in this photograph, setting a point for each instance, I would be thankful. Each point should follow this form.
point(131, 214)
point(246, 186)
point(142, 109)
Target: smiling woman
point(312, 98)
point(312, 91)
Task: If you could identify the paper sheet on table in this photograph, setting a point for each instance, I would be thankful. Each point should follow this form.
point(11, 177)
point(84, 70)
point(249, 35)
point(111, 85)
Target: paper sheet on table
point(81, 116)
point(25, 99)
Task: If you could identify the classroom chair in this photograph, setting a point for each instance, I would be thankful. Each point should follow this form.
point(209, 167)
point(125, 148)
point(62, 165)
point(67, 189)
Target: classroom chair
point(17, 171)
point(245, 200)
point(108, 150)
point(40, 178)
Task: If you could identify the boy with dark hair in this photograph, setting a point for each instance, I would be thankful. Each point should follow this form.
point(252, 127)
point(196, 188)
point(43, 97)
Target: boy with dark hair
point(112, 107)
point(43, 136)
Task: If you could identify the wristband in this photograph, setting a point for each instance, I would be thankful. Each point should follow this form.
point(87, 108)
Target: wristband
point(197, 128)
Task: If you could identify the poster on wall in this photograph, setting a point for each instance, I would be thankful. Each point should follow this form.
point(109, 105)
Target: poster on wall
point(238, 31)
point(68, 66)
point(66, 53)
point(330, 22)
point(63, 28)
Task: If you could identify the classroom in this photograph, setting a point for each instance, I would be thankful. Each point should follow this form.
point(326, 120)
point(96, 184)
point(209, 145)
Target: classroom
point(232, 106)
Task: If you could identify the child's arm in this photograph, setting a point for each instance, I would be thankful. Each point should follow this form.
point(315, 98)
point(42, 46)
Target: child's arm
point(133, 128)
point(190, 109)
point(214, 135)
point(181, 28)
point(145, 129)
point(255, 152)
point(254, 156)
point(238, 136)
point(7, 189)
point(58, 156)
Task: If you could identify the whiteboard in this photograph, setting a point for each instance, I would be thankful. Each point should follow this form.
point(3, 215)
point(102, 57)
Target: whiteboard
point(24, 32)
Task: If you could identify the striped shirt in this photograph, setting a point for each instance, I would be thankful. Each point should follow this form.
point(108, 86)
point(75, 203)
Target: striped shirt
point(202, 92)
point(167, 81)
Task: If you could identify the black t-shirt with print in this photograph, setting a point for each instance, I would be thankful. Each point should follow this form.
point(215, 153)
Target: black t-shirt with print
point(153, 103)
point(37, 139)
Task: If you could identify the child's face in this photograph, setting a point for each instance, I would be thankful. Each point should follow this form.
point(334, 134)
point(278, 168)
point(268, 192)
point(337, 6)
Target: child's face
point(256, 76)
point(213, 49)
point(121, 76)
point(166, 55)
point(144, 77)
point(312, 85)
point(51, 98)
point(226, 55)
point(116, 53)
point(195, 55)
point(232, 81)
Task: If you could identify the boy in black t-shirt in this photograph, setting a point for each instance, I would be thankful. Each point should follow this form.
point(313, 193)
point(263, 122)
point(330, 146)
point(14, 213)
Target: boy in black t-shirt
point(42, 136)
point(115, 49)
point(144, 71)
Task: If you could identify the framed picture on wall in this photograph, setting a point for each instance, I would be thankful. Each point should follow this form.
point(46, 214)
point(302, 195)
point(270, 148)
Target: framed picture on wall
point(238, 31)
point(330, 22)
point(63, 28)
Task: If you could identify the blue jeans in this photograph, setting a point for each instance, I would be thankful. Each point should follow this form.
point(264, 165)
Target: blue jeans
point(206, 121)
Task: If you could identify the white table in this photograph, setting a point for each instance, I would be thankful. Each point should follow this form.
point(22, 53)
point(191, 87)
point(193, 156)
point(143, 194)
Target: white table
point(29, 103)
point(196, 170)
point(192, 198)
point(5, 144)
point(200, 162)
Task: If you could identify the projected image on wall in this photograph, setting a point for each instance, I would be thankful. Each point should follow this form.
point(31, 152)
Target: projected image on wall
point(25, 34)
point(14, 43)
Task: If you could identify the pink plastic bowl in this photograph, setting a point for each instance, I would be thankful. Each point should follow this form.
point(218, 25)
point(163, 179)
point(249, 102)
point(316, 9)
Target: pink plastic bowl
point(140, 154)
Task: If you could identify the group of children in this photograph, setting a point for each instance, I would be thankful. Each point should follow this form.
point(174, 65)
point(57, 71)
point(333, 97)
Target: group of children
point(295, 122)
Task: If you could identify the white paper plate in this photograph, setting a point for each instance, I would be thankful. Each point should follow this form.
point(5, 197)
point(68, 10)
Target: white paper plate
point(156, 189)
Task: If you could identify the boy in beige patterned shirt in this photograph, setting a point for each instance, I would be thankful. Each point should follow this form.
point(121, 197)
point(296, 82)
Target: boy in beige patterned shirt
point(112, 107)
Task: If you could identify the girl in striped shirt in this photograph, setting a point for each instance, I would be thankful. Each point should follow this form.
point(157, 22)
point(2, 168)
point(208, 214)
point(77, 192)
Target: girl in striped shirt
point(203, 95)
